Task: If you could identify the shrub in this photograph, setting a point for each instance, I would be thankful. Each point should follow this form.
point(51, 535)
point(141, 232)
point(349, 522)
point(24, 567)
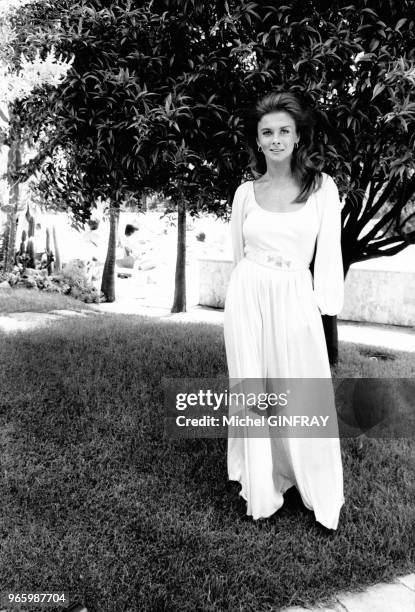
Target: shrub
point(73, 280)
point(77, 276)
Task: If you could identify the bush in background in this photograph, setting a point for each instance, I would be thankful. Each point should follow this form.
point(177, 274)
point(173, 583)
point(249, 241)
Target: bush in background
point(73, 280)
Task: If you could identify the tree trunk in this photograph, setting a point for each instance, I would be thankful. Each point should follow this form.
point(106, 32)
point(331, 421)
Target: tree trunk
point(144, 202)
point(108, 274)
point(179, 303)
point(330, 325)
point(14, 160)
point(332, 339)
point(330, 329)
point(4, 242)
point(57, 262)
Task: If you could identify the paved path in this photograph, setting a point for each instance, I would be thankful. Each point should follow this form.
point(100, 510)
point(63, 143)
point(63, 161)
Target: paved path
point(24, 321)
point(387, 336)
point(398, 596)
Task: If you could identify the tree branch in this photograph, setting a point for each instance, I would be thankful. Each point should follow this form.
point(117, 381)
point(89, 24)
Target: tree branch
point(367, 215)
point(32, 165)
point(371, 254)
point(391, 214)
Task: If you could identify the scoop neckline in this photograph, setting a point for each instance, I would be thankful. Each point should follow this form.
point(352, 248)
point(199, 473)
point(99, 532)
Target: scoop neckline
point(278, 212)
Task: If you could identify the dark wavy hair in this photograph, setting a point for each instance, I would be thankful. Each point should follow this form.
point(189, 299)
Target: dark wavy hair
point(302, 167)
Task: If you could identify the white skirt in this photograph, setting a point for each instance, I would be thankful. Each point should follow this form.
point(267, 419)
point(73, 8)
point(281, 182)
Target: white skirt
point(273, 329)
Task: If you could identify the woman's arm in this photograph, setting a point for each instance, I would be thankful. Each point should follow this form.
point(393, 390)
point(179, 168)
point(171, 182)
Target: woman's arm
point(328, 266)
point(237, 219)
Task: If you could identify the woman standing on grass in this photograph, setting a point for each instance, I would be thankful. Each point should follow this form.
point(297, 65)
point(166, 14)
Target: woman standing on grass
point(272, 324)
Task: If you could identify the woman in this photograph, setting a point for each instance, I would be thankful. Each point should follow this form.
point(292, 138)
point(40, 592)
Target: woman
point(272, 324)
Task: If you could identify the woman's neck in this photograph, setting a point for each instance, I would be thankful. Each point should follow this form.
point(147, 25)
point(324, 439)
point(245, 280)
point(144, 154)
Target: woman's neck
point(279, 174)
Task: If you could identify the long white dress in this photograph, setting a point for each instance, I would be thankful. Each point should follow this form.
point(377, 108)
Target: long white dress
point(273, 329)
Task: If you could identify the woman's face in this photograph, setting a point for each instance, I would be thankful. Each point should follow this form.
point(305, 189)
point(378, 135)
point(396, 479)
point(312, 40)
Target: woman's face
point(277, 135)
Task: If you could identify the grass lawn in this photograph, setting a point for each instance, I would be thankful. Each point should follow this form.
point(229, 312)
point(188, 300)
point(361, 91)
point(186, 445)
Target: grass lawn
point(24, 300)
point(95, 501)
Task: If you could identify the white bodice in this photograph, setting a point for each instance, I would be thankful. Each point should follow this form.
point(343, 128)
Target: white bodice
point(292, 234)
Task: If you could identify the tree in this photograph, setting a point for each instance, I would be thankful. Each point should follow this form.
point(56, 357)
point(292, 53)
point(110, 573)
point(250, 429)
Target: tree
point(355, 60)
point(351, 61)
point(82, 143)
point(22, 70)
point(129, 126)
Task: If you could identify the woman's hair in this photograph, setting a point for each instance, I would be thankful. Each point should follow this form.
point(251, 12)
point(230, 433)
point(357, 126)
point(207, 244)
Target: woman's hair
point(304, 170)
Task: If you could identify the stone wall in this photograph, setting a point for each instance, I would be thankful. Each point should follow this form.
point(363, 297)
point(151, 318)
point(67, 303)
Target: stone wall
point(371, 295)
point(379, 296)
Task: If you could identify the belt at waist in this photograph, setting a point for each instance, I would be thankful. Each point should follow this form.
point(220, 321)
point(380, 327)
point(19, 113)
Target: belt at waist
point(275, 259)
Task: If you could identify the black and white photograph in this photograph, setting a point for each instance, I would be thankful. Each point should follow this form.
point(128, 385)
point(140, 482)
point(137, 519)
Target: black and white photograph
point(207, 305)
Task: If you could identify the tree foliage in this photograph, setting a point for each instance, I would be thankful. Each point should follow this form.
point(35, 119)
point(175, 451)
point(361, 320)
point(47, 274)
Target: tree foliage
point(22, 70)
point(158, 92)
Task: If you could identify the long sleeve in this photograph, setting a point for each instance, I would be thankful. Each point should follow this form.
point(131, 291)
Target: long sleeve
point(328, 266)
point(237, 219)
